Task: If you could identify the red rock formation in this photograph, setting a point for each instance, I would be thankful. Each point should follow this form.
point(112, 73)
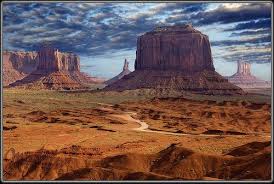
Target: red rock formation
point(175, 58)
point(23, 61)
point(244, 79)
point(174, 48)
point(56, 70)
point(16, 65)
point(51, 60)
point(243, 68)
point(125, 71)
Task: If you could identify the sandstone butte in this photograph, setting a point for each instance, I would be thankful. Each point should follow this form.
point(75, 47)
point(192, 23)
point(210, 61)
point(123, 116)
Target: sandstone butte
point(55, 70)
point(175, 58)
point(244, 79)
point(124, 72)
point(16, 65)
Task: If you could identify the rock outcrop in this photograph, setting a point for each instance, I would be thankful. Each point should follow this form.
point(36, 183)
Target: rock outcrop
point(244, 79)
point(16, 65)
point(174, 48)
point(175, 58)
point(58, 61)
point(124, 72)
point(56, 70)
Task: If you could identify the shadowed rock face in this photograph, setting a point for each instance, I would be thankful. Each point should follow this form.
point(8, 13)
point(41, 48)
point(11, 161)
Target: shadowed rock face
point(244, 79)
point(174, 48)
point(175, 58)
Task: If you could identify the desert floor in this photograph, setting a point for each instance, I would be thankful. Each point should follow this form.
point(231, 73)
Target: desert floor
point(95, 135)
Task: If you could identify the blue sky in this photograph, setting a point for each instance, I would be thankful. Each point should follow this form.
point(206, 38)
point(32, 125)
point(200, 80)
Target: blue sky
point(103, 34)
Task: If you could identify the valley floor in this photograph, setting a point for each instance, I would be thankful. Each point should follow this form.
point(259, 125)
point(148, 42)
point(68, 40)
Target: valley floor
point(135, 135)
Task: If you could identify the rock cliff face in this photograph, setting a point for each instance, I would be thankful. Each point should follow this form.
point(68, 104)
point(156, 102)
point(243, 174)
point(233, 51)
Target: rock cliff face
point(16, 65)
point(174, 48)
point(244, 79)
point(175, 58)
point(23, 61)
point(124, 72)
point(51, 60)
point(56, 70)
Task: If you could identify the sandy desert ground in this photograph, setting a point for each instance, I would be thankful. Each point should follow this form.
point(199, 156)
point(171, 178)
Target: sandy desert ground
point(134, 135)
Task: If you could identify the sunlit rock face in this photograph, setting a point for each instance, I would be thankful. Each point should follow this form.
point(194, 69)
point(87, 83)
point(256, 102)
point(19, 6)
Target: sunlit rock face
point(174, 48)
point(17, 64)
point(50, 60)
point(244, 79)
point(23, 61)
point(175, 58)
point(55, 70)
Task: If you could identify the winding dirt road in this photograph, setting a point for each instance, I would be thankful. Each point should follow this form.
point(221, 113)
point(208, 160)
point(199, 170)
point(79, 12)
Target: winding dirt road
point(144, 127)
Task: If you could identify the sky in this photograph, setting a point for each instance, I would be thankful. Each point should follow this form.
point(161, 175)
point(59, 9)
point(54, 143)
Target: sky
point(104, 34)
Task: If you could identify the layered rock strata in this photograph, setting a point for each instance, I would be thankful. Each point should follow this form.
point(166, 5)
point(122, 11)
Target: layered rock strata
point(174, 48)
point(244, 79)
point(175, 58)
point(58, 61)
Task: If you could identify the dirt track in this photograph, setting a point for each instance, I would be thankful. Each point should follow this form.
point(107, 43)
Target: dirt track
point(144, 127)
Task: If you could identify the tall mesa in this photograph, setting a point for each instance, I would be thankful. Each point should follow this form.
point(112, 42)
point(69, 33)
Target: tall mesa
point(175, 58)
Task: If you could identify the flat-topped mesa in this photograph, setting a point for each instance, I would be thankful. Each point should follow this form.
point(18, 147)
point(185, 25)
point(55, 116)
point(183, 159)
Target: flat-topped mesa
point(243, 68)
point(244, 79)
point(56, 70)
point(174, 48)
point(176, 58)
point(184, 28)
point(51, 60)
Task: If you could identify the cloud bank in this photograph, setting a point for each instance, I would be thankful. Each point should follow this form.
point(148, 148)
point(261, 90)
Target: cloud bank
point(99, 29)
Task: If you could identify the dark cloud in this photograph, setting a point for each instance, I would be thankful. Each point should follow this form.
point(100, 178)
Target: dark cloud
point(195, 7)
point(257, 40)
point(247, 33)
point(259, 24)
point(225, 15)
point(92, 29)
point(184, 7)
point(250, 53)
point(255, 57)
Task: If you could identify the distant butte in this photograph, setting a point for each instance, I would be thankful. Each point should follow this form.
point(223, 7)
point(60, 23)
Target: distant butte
point(244, 79)
point(17, 65)
point(124, 72)
point(55, 70)
point(175, 58)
